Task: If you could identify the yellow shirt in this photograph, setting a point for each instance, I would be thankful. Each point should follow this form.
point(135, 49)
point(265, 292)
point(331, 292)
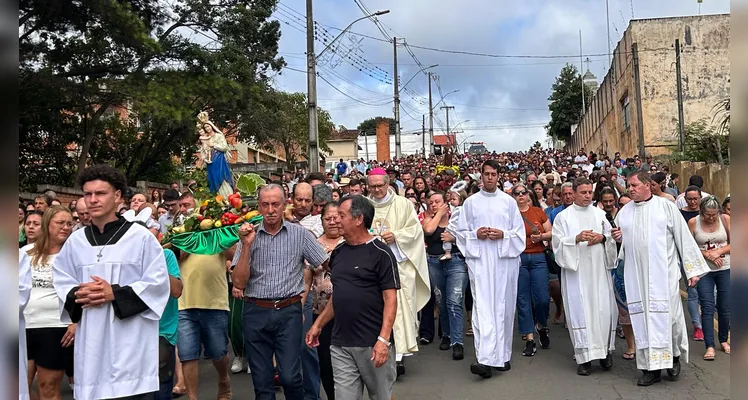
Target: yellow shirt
point(205, 284)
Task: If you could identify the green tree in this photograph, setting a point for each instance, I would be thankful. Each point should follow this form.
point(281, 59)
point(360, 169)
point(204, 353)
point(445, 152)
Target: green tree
point(566, 102)
point(287, 118)
point(369, 126)
point(704, 142)
point(161, 61)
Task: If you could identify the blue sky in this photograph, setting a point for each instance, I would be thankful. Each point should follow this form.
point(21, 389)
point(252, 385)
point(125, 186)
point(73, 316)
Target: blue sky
point(503, 100)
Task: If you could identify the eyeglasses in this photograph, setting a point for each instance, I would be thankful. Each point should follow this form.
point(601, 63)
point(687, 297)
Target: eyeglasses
point(377, 186)
point(61, 224)
point(519, 192)
point(410, 195)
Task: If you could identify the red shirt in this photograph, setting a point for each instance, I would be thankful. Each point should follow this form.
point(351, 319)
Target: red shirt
point(537, 217)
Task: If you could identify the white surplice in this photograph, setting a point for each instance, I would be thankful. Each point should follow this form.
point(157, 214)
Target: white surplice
point(24, 294)
point(115, 357)
point(493, 269)
point(655, 239)
point(586, 284)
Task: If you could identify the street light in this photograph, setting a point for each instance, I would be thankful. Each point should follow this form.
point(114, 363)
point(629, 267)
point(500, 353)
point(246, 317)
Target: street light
point(443, 97)
point(462, 122)
point(376, 14)
point(454, 130)
point(311, 80)
point(416, 74)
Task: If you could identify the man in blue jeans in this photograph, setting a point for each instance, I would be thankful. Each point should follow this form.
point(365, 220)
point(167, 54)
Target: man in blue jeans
point(269, 276)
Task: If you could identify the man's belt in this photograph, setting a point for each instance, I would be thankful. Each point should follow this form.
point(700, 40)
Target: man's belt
point(274, 304)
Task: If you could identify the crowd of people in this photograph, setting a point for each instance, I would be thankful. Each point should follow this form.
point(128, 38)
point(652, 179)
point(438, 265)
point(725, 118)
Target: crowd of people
point(353, 270)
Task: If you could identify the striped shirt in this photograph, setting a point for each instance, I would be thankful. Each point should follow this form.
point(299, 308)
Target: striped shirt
point(276, 266)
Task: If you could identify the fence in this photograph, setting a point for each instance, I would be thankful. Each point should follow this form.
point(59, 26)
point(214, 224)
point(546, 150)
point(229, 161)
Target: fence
point(67, 194)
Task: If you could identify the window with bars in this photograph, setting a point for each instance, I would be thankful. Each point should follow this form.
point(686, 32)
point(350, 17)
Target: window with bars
point(625, 112)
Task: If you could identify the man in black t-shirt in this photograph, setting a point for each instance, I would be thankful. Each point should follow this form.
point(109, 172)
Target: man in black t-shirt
point(364, 303)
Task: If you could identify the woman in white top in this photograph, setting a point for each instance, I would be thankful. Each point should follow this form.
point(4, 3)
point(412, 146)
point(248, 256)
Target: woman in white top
point(49, 341)
point(711, 230)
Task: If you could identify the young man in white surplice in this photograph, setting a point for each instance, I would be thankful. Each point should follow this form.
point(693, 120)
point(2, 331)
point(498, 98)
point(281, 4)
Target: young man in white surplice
point(111, 278)
point(491, 234)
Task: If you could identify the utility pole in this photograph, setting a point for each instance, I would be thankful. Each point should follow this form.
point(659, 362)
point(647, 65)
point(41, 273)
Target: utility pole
point(679, 88)
point(423, 136)
point(638, 100)
point(311, 84)
point(398, 150)
point(366, 146)
point(449, 142)
point(581, 68)
point(607, 19)
point(431, 119)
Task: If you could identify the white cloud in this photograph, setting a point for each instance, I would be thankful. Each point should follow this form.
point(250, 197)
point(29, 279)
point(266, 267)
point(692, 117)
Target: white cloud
point(505, 100)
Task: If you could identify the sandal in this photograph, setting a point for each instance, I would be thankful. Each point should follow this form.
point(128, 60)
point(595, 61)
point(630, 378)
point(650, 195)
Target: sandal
point(224, 390)
point(725, 347)
point(469, 332)
point(524, 337)
point(177, 392)
point(629, 355)
point(709, 355)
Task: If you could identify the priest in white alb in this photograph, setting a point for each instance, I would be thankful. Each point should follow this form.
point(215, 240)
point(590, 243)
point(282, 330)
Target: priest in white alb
point(111, 279)
point(491, 235)
point(655, 238)
point(396, 222)
point(586, 252)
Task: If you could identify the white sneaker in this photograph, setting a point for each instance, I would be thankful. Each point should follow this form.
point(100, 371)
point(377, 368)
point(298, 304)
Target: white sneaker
point(248, 371)
point(238, 365)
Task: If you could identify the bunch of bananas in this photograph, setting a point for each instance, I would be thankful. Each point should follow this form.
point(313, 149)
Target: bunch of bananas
point(441, 168)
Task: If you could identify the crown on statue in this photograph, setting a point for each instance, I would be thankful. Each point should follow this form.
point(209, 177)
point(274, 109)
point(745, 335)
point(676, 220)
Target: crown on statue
point(203, 117)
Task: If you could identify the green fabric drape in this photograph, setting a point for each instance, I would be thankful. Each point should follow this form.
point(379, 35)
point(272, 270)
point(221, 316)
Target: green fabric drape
point(209, 242)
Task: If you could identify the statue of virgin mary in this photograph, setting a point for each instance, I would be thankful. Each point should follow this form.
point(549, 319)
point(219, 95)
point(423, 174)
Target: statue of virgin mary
point(213, 150)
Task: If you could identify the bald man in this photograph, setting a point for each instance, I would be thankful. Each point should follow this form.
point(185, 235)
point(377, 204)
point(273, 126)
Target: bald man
point(83, 215)
point(301, 210)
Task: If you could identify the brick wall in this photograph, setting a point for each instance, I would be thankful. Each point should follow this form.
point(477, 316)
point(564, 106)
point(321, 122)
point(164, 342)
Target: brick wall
point(68, 194)
point(383, 140)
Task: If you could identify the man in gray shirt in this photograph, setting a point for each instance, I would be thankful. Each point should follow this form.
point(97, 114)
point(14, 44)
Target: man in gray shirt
point(270, 279)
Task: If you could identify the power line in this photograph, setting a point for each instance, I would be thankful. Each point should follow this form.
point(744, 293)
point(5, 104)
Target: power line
point(366, 11)
point(294, 69)
point(501, 108)
point(347, 95)
point(477, 54)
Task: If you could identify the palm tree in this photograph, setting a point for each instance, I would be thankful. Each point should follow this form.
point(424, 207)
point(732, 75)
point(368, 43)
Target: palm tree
point(722, 115)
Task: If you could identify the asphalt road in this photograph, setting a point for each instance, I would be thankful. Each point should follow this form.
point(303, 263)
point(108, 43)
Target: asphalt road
point(550, 374)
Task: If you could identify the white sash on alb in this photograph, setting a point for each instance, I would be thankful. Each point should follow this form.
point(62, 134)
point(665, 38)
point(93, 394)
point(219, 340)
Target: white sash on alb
point(576, 318)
